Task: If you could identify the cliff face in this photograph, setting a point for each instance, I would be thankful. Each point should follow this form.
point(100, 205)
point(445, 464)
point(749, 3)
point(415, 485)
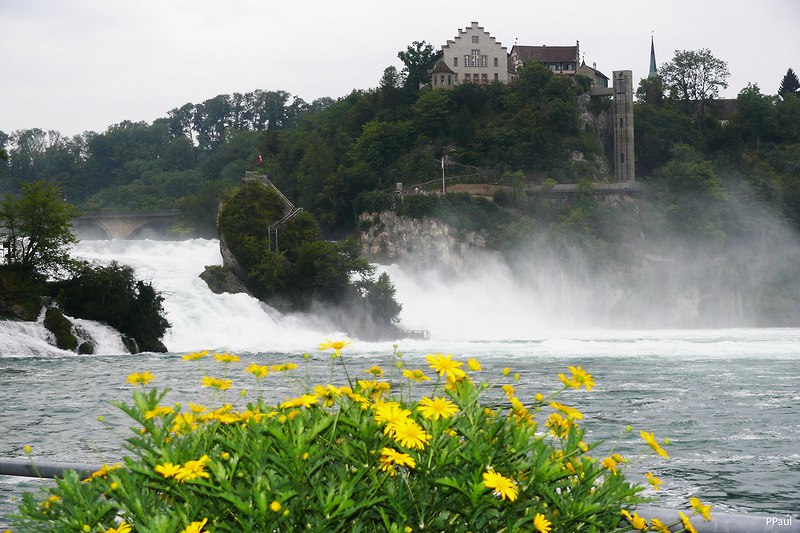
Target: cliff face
point(417, 243)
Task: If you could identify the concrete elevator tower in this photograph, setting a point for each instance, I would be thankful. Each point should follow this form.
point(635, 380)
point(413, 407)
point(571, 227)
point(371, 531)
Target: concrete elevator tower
point(624, 168)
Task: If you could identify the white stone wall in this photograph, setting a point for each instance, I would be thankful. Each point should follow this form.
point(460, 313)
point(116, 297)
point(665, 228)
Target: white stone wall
point(492, 62)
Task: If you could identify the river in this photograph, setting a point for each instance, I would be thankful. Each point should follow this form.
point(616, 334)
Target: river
point(727, 398)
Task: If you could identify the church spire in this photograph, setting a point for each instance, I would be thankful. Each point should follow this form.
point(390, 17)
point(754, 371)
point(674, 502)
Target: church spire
point(653, 70)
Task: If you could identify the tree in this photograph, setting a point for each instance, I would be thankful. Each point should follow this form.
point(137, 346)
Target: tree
point(37, 225)
point(695, 77)
point(789, 85)
point(418, 59)
point(651, 90)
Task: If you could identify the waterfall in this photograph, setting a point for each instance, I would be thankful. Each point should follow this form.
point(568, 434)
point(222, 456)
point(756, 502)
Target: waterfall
point(201, 319)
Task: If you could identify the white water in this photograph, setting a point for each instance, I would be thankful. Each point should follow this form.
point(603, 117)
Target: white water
point(485, 314)
point(726, 397)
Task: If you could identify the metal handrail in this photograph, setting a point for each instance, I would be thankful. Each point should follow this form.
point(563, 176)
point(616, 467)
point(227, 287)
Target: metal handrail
point(43, 469)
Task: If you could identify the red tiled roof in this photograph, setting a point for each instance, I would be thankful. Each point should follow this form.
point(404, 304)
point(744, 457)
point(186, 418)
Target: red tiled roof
point(442, 68)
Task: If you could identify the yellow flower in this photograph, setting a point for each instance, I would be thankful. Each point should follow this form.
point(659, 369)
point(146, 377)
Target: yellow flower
point(390, 413)
point(658, 525)
point(504, 487)
point(306, 400)
point(197, 408)
point(195, 527)
point(474, 365)
point(327, 394)
point(651, 441)
point(183, 423)
point(687, 524)
point(699, 508)
point(579, 377)
point(193, 469)
point(337, 346)
point(445, 366)
point(409, 434)
point(570, 412)
point(259, 371)
point(541, 524)
point(653, 480)
point(375, 371)
point(195, 356)
point(559, 426)
point(226, 358)
point(275, 506)
point(124, 527)
point(103, 472)
point(415, 375)
point(636, 521)
point(391, 458)
point(436, 408)
point(217, 383)
point(167, 469)
point(158, 411)
point(508, 389)
point(610, 464)
point(140, 379)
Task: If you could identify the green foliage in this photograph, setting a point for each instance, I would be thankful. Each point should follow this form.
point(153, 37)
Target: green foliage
point(380, 299)
point(37, 228)
point(112, 294)
point(691, 194)
point(304, 269)
point(418, 60)
point(344, 458)
point(695, 76)
point(790, 85)
point(20, 293)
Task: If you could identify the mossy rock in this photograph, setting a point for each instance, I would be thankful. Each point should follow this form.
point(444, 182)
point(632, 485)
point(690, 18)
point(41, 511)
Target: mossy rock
point(221, 280)
point(61, 327)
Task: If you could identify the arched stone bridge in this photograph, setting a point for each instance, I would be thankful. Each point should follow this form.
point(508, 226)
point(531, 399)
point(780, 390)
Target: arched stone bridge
point(123, 225)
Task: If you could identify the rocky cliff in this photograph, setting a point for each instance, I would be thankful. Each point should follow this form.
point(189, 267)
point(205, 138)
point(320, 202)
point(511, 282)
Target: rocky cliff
point(418, 243)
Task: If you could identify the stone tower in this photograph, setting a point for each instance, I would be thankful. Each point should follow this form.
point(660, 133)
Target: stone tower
point(624, 169)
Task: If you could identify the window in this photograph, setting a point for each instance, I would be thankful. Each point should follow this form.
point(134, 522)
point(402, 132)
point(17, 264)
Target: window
point(456, 77)
point(495, 77)
point(449, 79)
point(484, 61)
point(455, 61)
point(467, 78)
point(495, 61)
point(475, 39)
point(442, 80)
point(466, 61)
point(484, 78)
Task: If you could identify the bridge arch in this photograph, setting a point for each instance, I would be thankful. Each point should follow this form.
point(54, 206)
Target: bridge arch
point(124, 225)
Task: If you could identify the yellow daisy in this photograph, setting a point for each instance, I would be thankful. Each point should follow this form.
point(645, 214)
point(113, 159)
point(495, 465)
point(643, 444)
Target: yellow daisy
point(436, 408)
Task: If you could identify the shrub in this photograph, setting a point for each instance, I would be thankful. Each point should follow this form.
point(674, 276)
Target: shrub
point(358, 457)
point(112, 294)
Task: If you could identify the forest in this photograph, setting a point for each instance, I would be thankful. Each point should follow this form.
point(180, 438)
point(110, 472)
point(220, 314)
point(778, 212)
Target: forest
point(339, 158)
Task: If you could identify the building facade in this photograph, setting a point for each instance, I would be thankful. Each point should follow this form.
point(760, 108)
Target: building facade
point(472, 56)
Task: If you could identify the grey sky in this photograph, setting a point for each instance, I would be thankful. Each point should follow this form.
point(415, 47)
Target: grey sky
point(78, 65)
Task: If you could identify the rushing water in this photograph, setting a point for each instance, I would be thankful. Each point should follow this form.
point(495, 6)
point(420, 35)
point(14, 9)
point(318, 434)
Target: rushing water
point(728, 399)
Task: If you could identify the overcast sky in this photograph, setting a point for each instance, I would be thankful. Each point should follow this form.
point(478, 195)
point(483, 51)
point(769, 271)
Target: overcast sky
point(80, 65)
